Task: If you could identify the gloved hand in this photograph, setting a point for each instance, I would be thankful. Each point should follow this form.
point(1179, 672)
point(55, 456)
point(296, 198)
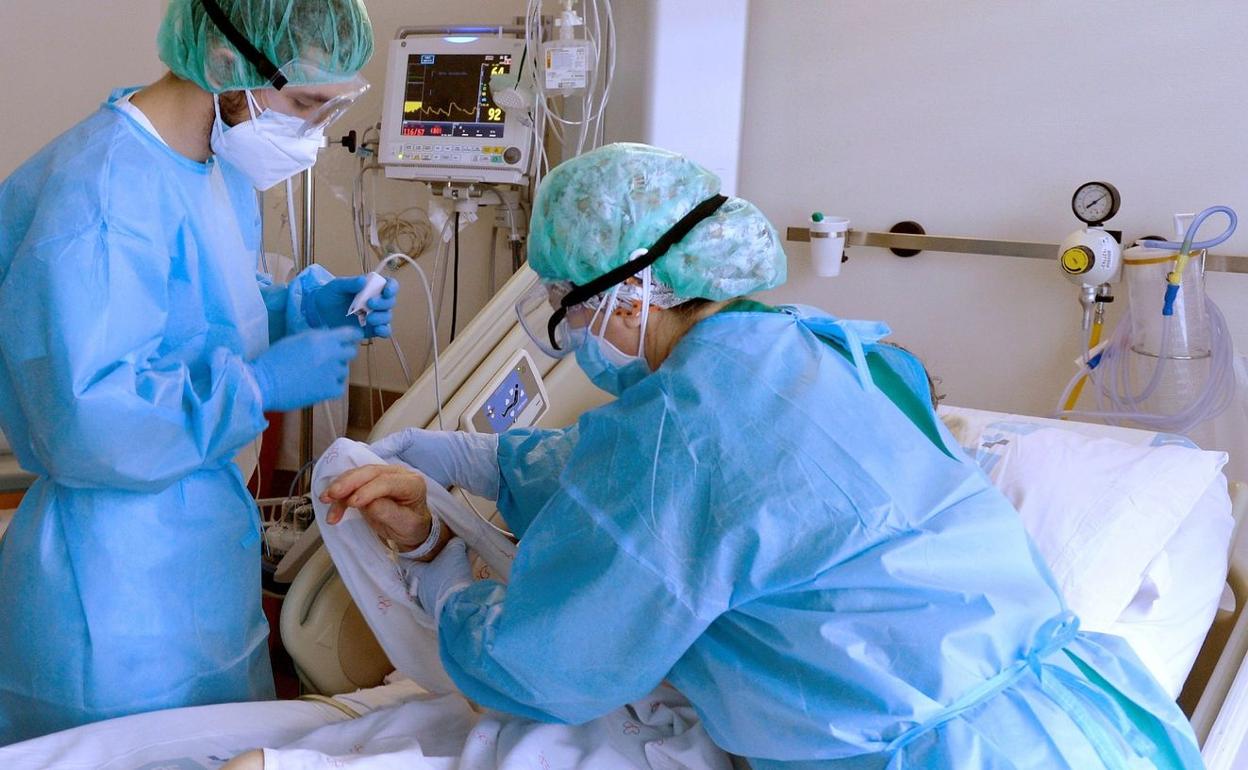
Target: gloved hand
point(328, 304)
point(458, 458)
point(438, 580)
point(306, 368)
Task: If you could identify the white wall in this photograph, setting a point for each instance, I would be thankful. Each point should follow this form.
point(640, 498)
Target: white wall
point(980, 117)
point(60, 60)
point(680, 72)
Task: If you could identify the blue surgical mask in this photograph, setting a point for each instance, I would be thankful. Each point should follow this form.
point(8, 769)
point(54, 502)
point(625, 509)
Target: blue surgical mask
point(609, 368)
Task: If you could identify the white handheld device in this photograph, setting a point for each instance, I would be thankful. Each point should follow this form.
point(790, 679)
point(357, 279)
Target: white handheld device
point(372, 288)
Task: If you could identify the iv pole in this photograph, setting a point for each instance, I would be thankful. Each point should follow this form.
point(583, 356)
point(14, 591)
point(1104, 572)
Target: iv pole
point(306, 258)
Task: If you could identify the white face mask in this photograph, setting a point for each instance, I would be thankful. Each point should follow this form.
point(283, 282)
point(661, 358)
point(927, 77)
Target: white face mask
point(269, 148)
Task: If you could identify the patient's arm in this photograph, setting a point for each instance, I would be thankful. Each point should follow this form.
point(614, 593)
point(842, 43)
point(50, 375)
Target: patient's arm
point(391, 499)
point(252, 760)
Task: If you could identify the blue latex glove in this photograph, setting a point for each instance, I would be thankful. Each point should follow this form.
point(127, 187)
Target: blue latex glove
point(451, 458)
point(438, 580)
point(306, 368)
point(327, 305)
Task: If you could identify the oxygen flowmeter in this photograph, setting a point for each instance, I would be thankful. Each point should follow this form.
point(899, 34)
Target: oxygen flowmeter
point(1091, 257)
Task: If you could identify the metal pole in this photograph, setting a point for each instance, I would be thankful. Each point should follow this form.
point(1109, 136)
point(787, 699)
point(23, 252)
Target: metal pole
point(1223, 263)
point(306, 260)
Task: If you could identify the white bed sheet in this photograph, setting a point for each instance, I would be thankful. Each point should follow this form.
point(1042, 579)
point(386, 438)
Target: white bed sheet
point(658, 732)
point(198, 738)
point(401, 727)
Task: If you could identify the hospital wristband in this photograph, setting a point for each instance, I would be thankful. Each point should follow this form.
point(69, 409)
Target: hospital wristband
point(431, 542)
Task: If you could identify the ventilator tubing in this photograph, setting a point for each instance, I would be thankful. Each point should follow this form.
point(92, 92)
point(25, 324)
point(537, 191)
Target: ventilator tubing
point(1184, 359)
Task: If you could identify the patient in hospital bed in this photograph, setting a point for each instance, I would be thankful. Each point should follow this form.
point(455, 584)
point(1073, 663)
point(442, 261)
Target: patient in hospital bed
point(770, 518)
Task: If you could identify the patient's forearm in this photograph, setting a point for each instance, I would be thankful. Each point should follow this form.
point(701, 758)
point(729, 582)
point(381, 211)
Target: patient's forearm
point(252, 760)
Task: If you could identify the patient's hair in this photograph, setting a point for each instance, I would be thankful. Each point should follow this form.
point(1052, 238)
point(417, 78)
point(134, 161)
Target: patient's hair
point(932, 382)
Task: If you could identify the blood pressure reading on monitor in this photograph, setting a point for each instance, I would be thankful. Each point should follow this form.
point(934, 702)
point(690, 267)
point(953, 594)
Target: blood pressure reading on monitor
point(449, 95)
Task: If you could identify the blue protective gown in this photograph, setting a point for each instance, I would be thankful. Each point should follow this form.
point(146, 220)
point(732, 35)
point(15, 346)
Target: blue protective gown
point(130, 576)
point(757, 523)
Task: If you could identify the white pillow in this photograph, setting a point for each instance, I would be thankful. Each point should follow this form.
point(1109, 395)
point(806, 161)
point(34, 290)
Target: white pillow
point(1099, 510)
point(1139, 552)
point(1167, 619)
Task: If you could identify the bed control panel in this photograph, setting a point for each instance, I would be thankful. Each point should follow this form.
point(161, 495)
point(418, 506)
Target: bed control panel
point(514, 398)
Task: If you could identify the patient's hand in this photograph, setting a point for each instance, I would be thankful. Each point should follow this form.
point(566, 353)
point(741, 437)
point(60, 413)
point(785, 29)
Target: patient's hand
point(391, 499)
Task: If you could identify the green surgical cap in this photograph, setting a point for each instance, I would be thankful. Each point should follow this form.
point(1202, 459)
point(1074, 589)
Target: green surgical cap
point(594, 210)
point(332, 40)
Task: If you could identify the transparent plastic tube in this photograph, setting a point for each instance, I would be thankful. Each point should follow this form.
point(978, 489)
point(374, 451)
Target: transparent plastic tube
point(1117, 404)
point(1183, 330)
point(1189, 238)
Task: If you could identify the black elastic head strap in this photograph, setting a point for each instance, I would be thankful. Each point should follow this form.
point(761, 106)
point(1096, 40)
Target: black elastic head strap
point(252, 54)
point(627, 270)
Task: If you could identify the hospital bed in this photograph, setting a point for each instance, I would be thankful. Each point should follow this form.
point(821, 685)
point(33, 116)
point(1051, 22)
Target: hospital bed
point(339, 660)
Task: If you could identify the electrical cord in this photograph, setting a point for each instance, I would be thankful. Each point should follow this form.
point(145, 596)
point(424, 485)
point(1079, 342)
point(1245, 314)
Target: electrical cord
point(433, 325)
point(600, 33)
point(403, 234)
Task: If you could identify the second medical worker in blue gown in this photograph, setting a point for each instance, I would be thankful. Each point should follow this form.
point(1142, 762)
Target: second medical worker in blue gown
point(138, 354)
point(770, 516)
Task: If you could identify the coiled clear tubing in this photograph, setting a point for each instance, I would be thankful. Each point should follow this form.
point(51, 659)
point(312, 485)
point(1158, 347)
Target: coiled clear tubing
point(1168, 373)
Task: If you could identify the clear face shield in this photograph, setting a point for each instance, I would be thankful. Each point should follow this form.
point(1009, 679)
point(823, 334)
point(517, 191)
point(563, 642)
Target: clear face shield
point(302, 89)
point(559, 335)
point(319, 104)
point(556, 337)
point(558, 317)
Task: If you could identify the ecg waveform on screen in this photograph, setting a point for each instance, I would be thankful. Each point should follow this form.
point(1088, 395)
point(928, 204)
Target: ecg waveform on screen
point(418, 111)
point(449, 95)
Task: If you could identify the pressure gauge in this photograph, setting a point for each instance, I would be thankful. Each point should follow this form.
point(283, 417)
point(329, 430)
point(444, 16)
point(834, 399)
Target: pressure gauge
point(1095, 202)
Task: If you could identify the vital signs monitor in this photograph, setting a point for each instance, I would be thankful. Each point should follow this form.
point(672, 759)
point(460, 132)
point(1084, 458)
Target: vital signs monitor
point(439, 121)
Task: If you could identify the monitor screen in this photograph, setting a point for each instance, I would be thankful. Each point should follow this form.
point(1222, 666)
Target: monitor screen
point(449, 95)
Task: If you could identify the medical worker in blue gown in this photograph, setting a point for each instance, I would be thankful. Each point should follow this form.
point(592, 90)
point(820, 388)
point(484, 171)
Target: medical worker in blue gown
point(139, 353)
point(770, 517)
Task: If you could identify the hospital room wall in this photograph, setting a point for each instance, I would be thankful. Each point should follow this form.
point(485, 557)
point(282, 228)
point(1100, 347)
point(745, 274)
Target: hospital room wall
point(62, 58)
point(979, 118)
